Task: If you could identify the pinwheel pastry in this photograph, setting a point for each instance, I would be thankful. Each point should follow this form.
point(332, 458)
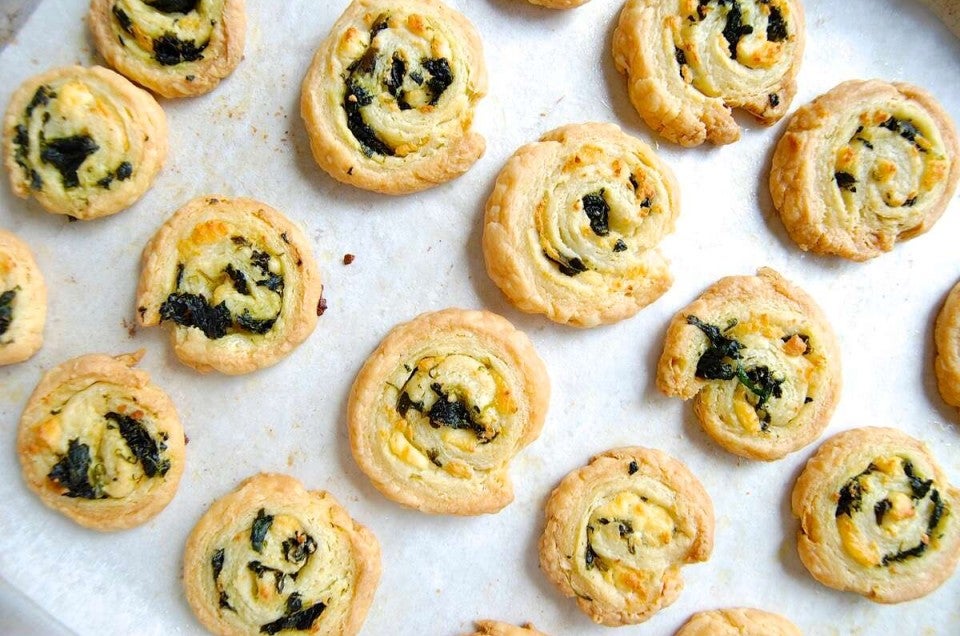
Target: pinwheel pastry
point(236, 278)
point(389, 99)
point(947, 340)
point(572, 227)
point(559, 4)
point(23, 301)
point(272, 557)
point(618, 531)
point(496, 628)
point(863, 166)
point(101, 443)
point(84, 142)
point(761, 361)
point(877, 516)
point(442, 406)
point(688, 62)
point(176, 48)
point(738, 621)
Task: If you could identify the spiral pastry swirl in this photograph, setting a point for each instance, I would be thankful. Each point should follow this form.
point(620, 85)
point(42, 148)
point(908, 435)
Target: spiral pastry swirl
point(947, 361)
point(272, 557)
point(618, 531)
point(572, 226)
point(877, 516)
point(761, 361)
point(100, 443)
point(236, 278)
point(442, 406)
point(84, 142)
point(389, 99)
point(176, 48)
point(688, 62)
point(738, 621)
point(23, 301)
point(863, 166)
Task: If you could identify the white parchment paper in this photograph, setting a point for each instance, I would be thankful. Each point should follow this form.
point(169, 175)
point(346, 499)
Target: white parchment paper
point(422, 252)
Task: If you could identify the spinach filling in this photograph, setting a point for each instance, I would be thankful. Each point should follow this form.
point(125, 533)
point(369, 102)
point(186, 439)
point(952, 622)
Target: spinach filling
point(681, 58)
point(598, 211)
point(570, 267)
point(297, 548)
point(144, 448)
point(905, 129)
point(367, 71)
point(845, 181)
point(216, 562)
point(67, 154)
point(735, 29)
point(169, 50)
point(6, 309)
point(122, 173)
point(776, 26)
point(73, 473)
point(850, 500)
point(123, 19)
point(193, 310)
point(722, 361)
point(456, 414)
point(173, 6)
point(258, 531)
point(302, 619)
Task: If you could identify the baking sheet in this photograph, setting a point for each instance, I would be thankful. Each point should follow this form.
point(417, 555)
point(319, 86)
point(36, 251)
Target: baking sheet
point(422, 252)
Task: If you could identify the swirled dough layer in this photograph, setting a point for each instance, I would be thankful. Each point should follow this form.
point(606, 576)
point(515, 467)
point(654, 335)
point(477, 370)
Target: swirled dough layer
point(389, 99)
point(236, 278)
point(761, 361)
point(688, 62)
point(441, 407)
point(23, 301)
point(877, 516)
point(101, 443)
point(572, 226)
point(947, 340)
point(618, 531)
point(272, 557)
point(863, 166)
point(176, 48)
point(84, 142)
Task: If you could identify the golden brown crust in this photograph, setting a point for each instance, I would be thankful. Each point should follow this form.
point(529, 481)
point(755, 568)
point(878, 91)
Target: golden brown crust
point(947, 340)
point(559, 4)
point(271, 550)
point(573, 223)
point(618, 531)
point(134, 37)
point(684, 74)
point(101, 443)
point(738, 621)
point(775, 388)
point(241, 255)
point(877, 516)
point(441, 407)
point(23, 301)
point(865, 165)
point(395, 139)
point(496, 628)
point(84, 142)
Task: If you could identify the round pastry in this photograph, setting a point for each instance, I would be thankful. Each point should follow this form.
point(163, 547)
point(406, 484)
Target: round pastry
point(272, 557)
point(761, 361)
point(23, 301)
point(84, 142)
point(688, 63)
point(572, 227)
point(863, 166)
point(389, 99)
point(101, 443)
point(236, 278)
point(176, 48)
point(947, 340)
point(619, 530)
point(496, 628)
point(559, 4)
point(738, 621)
point(442, 406)
point(877, 516)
